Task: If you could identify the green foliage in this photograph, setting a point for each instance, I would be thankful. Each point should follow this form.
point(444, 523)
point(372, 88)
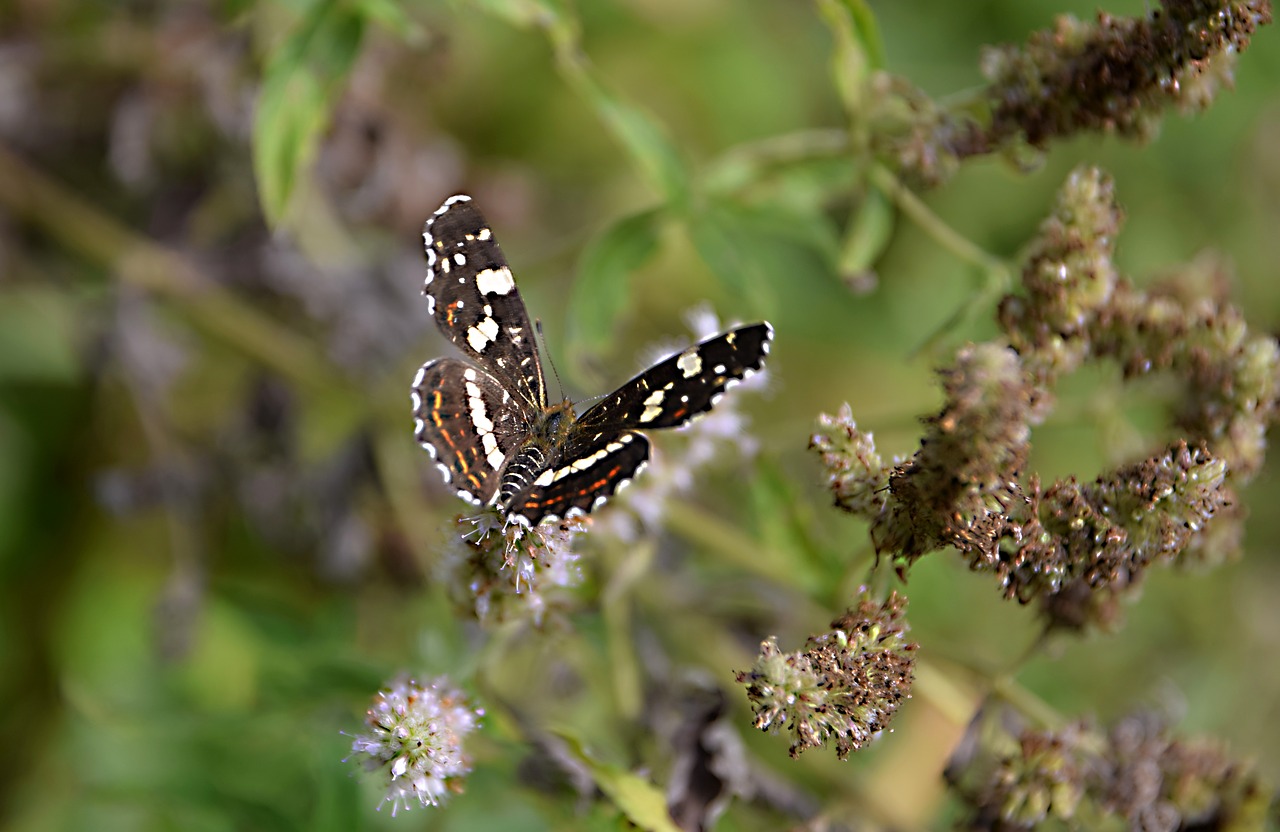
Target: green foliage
point(300, 84)
point(643, 804)
point(303, 78)
point(602, 292)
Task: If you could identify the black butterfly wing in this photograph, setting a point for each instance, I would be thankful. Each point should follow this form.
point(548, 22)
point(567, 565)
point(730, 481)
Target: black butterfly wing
point(475, 301)
point(591, 468)
point(468, 423)
point(672, 392)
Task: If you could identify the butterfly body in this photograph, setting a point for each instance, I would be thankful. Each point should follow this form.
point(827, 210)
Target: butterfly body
point(488, 423)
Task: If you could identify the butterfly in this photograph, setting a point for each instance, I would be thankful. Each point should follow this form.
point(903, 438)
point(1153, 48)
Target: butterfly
point(487, 422)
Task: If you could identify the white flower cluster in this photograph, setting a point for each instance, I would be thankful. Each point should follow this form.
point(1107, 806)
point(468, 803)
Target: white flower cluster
point(415, 737)
point(497, 570)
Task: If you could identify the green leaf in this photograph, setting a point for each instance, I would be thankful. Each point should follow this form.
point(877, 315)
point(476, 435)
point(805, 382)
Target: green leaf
point(300, 85)
point(525, 13)
point(858, 49)
point(752, 250)
point(637, 131)
point(644, 139)
point(640, 800)
point(390, 15)
point(602, 290)
point(866, 31)
point(867, 237)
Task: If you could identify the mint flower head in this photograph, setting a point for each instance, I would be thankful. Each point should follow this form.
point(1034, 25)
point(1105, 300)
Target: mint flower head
point(857, 477)
point(414, 737)
point(1137, 774)
point(845, 685)
point(495, 571)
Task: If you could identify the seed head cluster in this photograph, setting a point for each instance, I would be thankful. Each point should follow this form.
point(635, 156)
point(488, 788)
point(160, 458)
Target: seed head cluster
point(845, 685)
point(1113, 75)
point(1074, 548)
point(1137, 775)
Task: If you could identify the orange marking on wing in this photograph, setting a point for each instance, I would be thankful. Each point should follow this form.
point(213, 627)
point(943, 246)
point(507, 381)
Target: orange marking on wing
point(582, 492)
point(600, 483)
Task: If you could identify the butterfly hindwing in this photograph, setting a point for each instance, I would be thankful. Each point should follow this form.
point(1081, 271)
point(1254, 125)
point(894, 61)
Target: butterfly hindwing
point(672, 392)
point(593, 466)
point(468, 423)
point(474, 299)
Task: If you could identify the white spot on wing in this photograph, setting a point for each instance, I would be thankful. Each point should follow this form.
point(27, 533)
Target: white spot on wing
point(482, 334)
point(495, 281)
point(495, 459)
point(653, 405)
point(689, 362)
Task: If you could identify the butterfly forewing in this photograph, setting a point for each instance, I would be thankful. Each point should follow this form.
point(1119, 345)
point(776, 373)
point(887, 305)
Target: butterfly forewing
point(591, 469)
point(468, 423)
point(475, 300)
point(672, 392)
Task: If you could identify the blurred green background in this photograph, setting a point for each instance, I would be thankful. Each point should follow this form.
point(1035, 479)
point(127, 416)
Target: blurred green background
point(216, 530)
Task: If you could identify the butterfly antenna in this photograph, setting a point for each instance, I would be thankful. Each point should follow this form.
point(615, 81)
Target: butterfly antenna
point(542, 339)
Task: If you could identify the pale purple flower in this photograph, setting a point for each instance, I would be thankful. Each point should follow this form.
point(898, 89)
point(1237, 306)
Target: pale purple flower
point(495, 570)
point(414, 738)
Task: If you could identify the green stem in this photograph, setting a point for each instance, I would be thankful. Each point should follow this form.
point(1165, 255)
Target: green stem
point(932, 224)
point(746, 164)
point(1026, 702)
point(997, 274)
point(63, 215)
point(730, 545)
